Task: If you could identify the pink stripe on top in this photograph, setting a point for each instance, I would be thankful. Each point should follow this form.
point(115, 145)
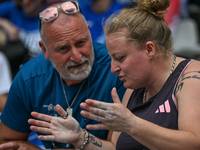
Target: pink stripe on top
point(167, 106)
point(161, 107)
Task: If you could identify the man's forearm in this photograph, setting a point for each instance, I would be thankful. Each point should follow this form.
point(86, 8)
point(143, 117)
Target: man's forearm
point(18, 145)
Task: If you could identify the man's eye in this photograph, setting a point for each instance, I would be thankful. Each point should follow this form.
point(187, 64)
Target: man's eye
point(62, 48)
point(80, 43)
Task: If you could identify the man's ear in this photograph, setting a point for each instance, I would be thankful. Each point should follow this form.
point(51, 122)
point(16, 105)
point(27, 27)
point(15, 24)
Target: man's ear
point(44, 50)
point(88, 26)
point(150, 48)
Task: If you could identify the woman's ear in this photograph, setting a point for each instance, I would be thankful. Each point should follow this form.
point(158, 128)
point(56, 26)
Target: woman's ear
point(150, 48)
point(44, 50)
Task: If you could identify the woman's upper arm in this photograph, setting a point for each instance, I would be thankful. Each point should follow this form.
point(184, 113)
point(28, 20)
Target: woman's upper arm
point(188, 98)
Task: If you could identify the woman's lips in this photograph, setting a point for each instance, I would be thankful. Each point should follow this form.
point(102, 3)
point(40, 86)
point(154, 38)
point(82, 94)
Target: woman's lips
point(121, 78)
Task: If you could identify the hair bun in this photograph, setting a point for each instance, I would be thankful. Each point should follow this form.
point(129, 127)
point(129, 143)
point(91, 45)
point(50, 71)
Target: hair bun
point(156, 7)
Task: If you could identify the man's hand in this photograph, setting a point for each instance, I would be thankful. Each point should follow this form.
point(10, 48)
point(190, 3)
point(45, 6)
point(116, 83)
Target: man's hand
point(57, 129)
point(18, 145)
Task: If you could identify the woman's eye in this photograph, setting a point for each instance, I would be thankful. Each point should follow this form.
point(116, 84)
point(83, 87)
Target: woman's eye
point(119, 58)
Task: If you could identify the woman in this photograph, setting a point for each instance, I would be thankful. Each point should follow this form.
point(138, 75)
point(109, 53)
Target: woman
point(163, 110)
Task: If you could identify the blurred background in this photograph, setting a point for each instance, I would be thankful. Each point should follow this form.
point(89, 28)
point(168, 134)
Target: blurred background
point(19, 19)
point(183, 18)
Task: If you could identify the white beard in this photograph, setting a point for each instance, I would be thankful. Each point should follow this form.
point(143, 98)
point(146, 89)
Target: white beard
point(76, 74)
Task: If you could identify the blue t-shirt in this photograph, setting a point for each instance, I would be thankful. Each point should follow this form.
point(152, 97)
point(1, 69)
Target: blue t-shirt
point(37, 87)
point(28, 26)
point(95, 20)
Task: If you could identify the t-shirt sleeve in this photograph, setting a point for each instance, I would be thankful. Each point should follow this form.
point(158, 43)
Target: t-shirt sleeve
point(17, 110)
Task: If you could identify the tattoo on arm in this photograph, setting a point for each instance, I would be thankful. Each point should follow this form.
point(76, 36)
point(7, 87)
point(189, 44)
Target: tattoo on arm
point(95, 141)
point(186, 76)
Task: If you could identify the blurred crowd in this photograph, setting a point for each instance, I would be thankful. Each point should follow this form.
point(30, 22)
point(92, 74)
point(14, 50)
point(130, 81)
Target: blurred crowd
point(19, 30)
point(19, 21)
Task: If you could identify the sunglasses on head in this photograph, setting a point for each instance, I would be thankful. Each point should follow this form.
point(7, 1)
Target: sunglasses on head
point(51, 13)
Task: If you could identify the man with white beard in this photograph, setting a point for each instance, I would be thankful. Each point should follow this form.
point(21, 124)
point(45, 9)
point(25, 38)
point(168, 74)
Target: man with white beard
point(72, 69)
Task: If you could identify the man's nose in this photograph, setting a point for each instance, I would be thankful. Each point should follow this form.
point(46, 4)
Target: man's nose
point(75, 55)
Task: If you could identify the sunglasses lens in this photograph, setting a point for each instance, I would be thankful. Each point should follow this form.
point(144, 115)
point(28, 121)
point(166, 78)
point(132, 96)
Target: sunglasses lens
point(69, 7)
point(50, 14)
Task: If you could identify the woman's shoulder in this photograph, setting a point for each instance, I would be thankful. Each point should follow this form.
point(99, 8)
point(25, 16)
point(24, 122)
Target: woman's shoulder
point(193, 65)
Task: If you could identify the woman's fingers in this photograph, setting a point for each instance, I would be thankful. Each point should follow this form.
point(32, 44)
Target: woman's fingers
point(101, 108)
point(96, 127)
point(92, 116)
point(97, 104)
point(95, 107)
point(115, 96)
point(98, 111)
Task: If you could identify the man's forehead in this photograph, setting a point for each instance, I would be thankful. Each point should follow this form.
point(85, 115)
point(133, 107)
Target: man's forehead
point(67, 20)
point(75, 40)
point(66, 25)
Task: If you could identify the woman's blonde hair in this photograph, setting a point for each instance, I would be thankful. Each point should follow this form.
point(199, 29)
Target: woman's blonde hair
point(144, 23)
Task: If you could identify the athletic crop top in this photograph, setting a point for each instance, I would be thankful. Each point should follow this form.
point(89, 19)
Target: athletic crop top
point(160, 109)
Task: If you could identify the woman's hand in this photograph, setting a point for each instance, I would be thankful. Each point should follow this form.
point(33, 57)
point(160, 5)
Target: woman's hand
point(57, 129)
point(114, 116)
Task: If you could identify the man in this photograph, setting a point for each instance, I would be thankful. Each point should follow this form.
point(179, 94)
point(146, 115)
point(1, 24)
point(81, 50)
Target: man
point(78, 69)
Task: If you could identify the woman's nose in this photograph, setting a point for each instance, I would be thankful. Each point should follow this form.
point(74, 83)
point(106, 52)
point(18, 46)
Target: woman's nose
point(114, 67)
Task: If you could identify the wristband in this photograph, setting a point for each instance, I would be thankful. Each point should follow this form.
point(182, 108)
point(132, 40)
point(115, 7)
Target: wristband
point(85, 142)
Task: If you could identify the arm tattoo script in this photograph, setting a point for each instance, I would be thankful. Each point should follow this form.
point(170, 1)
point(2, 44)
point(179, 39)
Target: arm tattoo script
point(95, 141)
point(186, 76)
